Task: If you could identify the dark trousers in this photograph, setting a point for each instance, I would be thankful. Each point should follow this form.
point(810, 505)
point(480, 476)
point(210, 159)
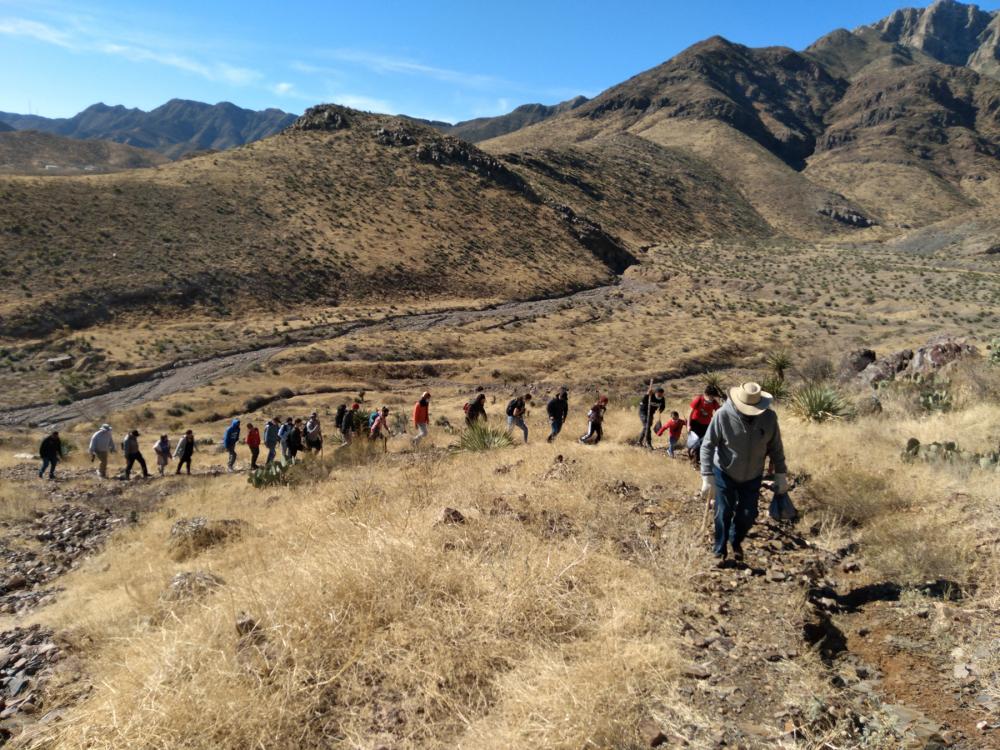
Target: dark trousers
point(557, 425)
point(254, 453)
point(131, 460)
point(184, 460)
point(646, 436)
point(735, 509)
point(50, 464)
point(594, 434)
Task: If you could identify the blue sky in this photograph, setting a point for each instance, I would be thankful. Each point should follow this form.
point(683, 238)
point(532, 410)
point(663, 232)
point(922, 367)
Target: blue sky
point(440, 60)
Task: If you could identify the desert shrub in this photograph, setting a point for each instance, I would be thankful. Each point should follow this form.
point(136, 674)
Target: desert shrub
point(776, 386)
point(994, 352)
point(856, 497)
point(256, 402)
point(285, 393)
point(269, 475)
point(816, 370)
point(917, 549)
point(819, 402)
point(484, 437)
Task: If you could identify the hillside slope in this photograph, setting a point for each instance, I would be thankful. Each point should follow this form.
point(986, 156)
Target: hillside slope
point(342, 207)
point(174, 129)
point(30, 152)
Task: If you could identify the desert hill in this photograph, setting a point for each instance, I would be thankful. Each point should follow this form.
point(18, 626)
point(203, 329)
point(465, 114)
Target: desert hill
point(342, 207)
point(31, 152)
point(872, 127)
point(174, 129)
point(5, 128)
point(484, 128)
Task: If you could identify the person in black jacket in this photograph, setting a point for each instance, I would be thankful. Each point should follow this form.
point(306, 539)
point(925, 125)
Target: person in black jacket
point(295, 440)
point(650, 404)
point(476, 410)
point(516, 409)
point(558, 409)
point(50, 451)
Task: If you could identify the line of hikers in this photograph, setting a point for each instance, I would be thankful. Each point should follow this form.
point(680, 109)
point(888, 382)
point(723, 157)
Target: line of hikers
point(294, 436)
point(730, 442)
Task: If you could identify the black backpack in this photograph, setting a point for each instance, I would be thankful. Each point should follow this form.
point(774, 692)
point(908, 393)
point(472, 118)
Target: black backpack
point(512, 406)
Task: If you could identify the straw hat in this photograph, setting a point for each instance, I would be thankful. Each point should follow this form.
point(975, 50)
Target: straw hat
point(750, 399)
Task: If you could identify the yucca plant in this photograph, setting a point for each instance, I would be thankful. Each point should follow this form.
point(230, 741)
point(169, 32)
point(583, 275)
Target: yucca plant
point(779, 361)
point(776, 386)
point(484, 437)
point(819, 402)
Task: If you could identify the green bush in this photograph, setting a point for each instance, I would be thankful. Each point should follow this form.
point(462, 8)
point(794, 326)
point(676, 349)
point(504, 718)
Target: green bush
point(484, 437)
point(819, 402)
point(269, 475)
point(779, 361)
point(776, 386)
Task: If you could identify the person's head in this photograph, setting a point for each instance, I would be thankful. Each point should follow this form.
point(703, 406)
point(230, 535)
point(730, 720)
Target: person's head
point(480, 398)
point(134, 433)
point(249, 425)
point(385, 410)
point(163, 437)
point(313, 416)
point(298, 422)
point(189, 433)
point(603, 401)
point(236, 421)
point(527, 397)
point(426, 396)
point(563, 391)
point(711, 392)
point(355, 406)
point(674, 415)
point(55, 434)
point(658, 392)
point(106, 427)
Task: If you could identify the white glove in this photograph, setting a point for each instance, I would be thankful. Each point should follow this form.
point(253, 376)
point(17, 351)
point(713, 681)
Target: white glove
point(780, 484)
point(707, 488)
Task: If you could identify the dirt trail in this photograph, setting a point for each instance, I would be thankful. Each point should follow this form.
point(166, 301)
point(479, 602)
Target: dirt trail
point(186, 376)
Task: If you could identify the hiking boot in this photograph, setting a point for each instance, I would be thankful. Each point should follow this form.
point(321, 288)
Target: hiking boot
point(737, 553)
point(720, 559)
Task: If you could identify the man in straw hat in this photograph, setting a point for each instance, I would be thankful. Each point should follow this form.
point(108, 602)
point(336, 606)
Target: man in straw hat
point(741, 436)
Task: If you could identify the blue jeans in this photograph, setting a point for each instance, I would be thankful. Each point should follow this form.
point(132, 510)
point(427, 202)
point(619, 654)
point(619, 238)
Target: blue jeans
point(518, 422)
point(735, 509)
point(271, 450)
point(50, 464)
point(671, 447)
point(557, 425)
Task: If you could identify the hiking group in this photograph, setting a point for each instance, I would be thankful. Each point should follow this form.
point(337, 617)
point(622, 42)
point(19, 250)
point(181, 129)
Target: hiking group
point(729, 440)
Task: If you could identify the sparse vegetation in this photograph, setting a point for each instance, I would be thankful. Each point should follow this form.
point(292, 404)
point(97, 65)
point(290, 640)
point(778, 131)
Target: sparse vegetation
point(819, 402)
point(484, 437)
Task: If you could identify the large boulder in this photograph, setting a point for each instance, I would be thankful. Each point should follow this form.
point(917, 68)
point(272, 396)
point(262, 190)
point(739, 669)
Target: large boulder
point(939, 353)
point(855, 362)
point(887, 368)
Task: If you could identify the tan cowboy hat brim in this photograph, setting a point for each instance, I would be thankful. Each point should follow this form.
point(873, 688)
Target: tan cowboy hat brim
point(737, 395)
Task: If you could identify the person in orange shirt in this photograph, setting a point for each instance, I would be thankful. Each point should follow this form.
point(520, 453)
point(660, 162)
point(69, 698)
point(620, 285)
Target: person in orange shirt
point(421, 417)
point(702, 409)
point(253, 443)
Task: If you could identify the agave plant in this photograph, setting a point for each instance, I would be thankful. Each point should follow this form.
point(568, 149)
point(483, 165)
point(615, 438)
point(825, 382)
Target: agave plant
point(776, 386)
point(819, 402)
point(484, 437)
point(269, 475)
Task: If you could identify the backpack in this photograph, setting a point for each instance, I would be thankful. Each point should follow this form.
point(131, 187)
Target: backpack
point(466, 407)
point(511, 407)
point(371, 419)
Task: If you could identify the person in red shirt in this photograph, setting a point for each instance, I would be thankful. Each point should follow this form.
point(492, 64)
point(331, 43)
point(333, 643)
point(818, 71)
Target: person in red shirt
point(675, 425)
point(421, 417)
point(702, 409)
point(253, 443)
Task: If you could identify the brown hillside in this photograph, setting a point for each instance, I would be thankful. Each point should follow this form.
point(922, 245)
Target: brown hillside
point(346, 207)
point(31, 152)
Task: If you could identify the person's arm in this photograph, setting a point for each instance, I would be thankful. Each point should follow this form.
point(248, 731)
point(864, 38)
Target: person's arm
point(708, 446)
point(776, 452)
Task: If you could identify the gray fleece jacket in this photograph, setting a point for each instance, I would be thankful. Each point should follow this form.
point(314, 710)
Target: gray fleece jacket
point(739, 445)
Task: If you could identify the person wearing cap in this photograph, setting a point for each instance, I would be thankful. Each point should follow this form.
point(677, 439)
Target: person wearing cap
point(130, 447)
point(742, 435)
point(421, 417)
point(558, 410)
point(102, 443)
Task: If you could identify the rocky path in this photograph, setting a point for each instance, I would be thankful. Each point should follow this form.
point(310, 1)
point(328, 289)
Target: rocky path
point(185, 376)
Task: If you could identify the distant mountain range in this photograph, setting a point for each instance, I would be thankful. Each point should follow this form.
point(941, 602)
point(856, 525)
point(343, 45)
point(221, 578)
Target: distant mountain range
point(484, 128)
point(174, 129)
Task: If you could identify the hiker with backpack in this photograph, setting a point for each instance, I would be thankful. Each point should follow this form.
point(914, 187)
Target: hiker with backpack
point(674, 426)
point(294, 441)
point(271, 438)
point(184, 451)
point(380, 428)
point(421, 417)
point(161, 448)
point(230, 439)
point(650, 404)
point(130, 448)
point(349, 423)
point(743, 434)
point(516, 409)
point(475, 410)
point(703, 407)
point(50, 451)
point(595, 422)
point(338, 419)
point(102, 443)
point(252, 442)
point(558, 410)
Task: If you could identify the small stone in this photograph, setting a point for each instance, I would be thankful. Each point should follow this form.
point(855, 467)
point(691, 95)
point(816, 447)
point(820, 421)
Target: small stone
point(960, 671)
point(697, 672)
point(775, 576)
point(450, 516)
point(650, 733)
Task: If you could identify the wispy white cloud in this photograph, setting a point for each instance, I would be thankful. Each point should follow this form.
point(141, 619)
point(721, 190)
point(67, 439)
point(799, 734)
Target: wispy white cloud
point(283, 88)
point(387, 64)
point(36, 30)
